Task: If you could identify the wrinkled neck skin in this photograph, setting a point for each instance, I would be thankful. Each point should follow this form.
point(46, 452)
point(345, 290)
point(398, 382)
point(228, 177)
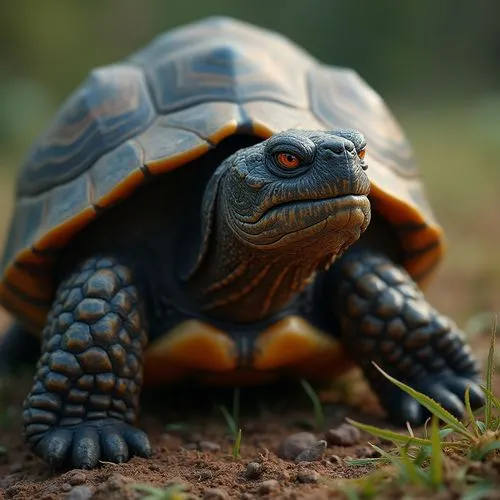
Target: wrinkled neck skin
point(240, 282)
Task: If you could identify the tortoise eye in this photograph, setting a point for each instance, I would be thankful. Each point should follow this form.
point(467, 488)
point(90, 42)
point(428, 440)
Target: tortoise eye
point(362, 154)
point(287, 160)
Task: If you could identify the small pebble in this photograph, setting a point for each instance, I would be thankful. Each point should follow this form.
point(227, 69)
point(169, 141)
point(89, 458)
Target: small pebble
point(79, 493)
point(343, 435)
point(154, 467)
point(208, 446)
point(116, 481)
point(308, 476)
point(204, 474)
point(253, 470)
point(247, 496)
point(294, 444)
point(190, 446)
point(314, 452)
point(75, 478)
point(367, 452)
point(66, 487)
point(268, 486)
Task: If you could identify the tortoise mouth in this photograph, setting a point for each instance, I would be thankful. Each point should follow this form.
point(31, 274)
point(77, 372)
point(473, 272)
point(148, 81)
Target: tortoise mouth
point(302, 208)
point(298, 219)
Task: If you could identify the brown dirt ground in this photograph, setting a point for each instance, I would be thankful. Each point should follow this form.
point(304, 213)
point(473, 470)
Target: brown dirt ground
point(266, 421)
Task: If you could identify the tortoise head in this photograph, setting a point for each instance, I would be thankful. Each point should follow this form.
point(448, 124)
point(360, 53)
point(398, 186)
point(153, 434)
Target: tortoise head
point(296, 189)
point(288, 205)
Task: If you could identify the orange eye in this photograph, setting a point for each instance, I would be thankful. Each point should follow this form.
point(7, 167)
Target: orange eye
point(362, 154)
point(287, 160)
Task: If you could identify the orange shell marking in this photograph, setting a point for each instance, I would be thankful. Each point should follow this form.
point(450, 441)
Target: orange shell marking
point(189, 347)
point(292, 346)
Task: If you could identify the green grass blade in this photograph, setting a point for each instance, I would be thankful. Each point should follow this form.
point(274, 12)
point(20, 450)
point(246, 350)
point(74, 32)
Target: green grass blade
point(414, 474)
point(437, 473)
point(317, 406)
point(233, 427)
point(445, 432)
point(365, 461)
point(481, 426)
point(490, 366)
point(237, 444)
point(489, 395)
point(434, 407)
point(423, 455)
point(470, 413)
point(393, 436)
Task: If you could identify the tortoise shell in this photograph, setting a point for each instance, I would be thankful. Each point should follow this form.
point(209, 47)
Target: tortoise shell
point(169, 104)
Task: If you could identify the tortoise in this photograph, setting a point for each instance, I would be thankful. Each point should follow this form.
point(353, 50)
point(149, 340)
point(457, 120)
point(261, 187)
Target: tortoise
point(204, 210)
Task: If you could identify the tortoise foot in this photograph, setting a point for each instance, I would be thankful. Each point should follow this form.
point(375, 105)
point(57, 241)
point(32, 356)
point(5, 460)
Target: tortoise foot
point(82, 446)
point(447, 389)
point(386, 319)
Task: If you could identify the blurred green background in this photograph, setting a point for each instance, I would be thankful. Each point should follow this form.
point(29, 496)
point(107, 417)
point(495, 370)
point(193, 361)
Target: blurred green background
point(437, 65)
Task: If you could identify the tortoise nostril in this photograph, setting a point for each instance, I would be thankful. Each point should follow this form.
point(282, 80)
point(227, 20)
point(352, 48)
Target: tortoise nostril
point(340, 145)
point(349, 146)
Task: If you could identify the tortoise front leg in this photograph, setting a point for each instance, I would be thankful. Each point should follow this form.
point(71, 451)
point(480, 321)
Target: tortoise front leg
point(385, 318)
point(85, 398)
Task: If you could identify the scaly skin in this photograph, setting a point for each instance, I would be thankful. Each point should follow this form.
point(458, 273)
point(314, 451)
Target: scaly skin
point(386, 319)
point(86, 393)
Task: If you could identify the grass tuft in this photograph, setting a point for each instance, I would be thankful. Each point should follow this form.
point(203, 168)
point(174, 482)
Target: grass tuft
point(319, 418)
point(430, 462)
point(232, 422)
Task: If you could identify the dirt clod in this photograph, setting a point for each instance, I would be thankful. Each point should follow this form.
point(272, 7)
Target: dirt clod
point(313, 453)
point(215, 494)
point(308, 476)
point(268, 486)
point(204, 474)
point(80, 493)
point(343, 435)
point(366, 452)
point(295, 444)
point(253, 470)
point(76, 477)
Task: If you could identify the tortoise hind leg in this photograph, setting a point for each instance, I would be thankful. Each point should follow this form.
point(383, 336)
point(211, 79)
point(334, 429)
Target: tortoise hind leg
point(18, 348)
point(384, 318)
point(85, 398)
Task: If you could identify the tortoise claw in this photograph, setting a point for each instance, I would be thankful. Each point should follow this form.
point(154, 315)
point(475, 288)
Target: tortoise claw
point(83, 445)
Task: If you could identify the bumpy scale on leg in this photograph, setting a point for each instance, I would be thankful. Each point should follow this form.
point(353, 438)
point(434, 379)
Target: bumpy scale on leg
point(385, 318)
point(86, 392)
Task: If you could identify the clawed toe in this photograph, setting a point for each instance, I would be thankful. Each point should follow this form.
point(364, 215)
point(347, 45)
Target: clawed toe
point(448, 391)
point(84, 445)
